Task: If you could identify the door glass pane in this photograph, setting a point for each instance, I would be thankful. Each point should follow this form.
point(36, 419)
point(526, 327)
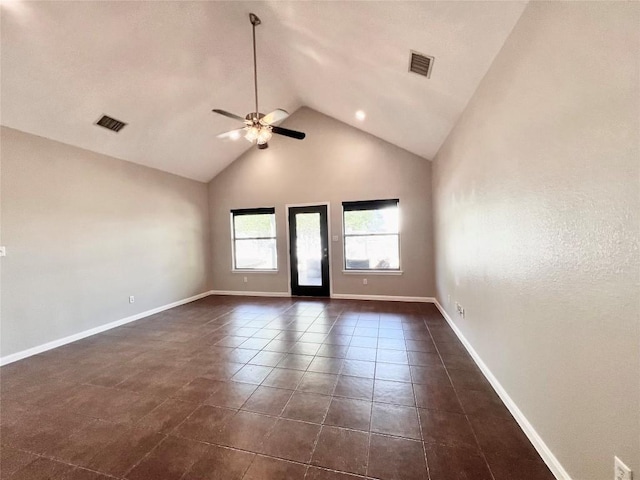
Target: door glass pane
point(309, 249)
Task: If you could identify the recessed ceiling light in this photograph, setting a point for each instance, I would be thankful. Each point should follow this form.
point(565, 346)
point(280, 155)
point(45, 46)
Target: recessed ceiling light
point(360, 115)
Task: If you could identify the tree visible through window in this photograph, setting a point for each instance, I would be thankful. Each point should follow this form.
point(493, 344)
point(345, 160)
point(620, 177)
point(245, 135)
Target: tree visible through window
point(254, 239)
point(371, 235)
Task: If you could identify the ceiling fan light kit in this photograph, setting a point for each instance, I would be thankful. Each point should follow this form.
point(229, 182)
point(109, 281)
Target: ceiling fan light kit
point(258, 127)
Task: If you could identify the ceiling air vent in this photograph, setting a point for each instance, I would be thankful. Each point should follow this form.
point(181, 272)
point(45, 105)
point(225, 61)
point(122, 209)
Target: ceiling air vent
point(421, 64)
point(111, 123)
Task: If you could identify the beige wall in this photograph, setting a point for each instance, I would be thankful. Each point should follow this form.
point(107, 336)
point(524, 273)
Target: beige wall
point(334, 163)
point(83, 232)
point(536, 220)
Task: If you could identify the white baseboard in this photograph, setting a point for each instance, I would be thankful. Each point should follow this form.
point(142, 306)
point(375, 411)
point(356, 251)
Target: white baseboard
point(545, 452)
point(14, 357)
point(250, 294)
point(383, 298)
point(343, 296)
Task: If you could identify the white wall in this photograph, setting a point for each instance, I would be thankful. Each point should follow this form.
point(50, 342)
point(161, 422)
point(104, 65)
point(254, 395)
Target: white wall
point(335, 163)
point(536, 195)
point(83, 232)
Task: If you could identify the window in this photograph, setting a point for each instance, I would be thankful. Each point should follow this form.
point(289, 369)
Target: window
point(254, 239)
point(371, 235)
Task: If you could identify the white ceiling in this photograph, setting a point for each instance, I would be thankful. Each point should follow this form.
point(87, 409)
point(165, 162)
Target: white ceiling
point(162, 66)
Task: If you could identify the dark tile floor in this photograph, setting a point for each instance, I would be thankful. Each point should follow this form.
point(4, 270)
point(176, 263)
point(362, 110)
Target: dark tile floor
point(262, 389)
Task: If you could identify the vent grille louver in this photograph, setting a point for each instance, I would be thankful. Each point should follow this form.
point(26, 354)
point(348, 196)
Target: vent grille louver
point(111, 123)
point(421, 64)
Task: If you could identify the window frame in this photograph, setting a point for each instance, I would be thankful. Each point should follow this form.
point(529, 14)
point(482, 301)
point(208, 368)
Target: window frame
point(252, 211)
point(370, 205)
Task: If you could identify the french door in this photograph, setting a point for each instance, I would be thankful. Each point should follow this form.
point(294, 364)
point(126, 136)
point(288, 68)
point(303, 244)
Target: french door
point(309, 251)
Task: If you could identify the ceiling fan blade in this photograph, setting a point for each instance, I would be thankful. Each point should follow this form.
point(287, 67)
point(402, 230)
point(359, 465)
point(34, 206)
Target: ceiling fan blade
point(274, 116)
point(288, 133)
point(232, 134)
point(228, 114)
point(262, 146)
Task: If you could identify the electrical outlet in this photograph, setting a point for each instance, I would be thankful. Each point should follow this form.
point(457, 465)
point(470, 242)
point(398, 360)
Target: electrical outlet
point(245, 279)
point(365, 281)
point(132, 299)
point(460, 309)
point(621, 471)
point(335, 238)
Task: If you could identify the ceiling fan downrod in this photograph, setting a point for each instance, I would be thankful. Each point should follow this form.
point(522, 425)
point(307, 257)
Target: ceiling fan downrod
point(255, 21)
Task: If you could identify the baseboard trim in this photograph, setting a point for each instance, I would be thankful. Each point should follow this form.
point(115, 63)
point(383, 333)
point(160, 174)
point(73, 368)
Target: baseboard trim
point(340, 296)
point(242, 293)
point(383, 298)
point(14, 357)
point(545, 452)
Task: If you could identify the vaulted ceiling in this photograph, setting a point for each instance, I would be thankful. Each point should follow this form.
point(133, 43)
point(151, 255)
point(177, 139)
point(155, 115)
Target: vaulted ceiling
point(162, 66)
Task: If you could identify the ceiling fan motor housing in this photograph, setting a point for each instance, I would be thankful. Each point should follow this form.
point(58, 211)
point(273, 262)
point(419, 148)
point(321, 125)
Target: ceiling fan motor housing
point(254, 117)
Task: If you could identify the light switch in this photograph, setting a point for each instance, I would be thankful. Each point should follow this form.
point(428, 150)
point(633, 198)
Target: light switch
point(3, 252)
point(335, 238)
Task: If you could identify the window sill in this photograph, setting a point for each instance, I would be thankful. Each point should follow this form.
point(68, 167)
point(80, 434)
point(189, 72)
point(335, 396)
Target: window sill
point(251, 270)
point(372, 272)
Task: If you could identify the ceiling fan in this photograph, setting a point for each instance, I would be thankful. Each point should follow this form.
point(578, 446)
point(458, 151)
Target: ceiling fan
point(258, 126)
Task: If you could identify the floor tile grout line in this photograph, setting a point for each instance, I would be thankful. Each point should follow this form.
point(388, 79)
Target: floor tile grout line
point(415, 398)
point(253, 459)
point(317, 439)
point(308, 465)
point(366, 470)
point(455, 391)
point(144, 457)
point(54, 459)
point(371, 420)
